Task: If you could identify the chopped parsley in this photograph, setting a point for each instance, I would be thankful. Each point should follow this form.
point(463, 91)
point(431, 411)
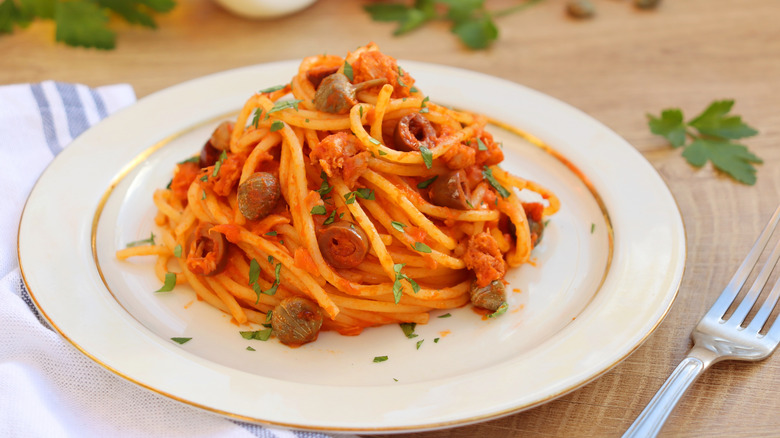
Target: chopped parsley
point(420, 343)
point(373, 140)
point(592, 228)
point(348, 71)
point(378, 359)
point(500, 311)
point(272, 89)
point(427, 182)
point(427, 156)
point(480, 145)
point(381, 152)
point(319, 209)
point(177, 251)
point(283, 105)
point(325, 186)
point(487, 173)
point(421, 247)
point(446, 315)
point(181, 340)
point(271, 233)
point(414, 90)
point(149, 241)
point(397, 286)
point(331, 218)
point(435, 340)
point(218, 164)
point(277, 280)
point(398, 226)
point(260, 335)
point(195, 159)
point(170, 282)
point(424, 105)
point(256, 117)
point(249, 348)
point(277, 125)
point(408, 329)
point(364, 193)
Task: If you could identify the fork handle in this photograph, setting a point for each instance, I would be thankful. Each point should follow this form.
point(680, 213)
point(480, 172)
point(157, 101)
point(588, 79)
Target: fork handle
point(653, 417)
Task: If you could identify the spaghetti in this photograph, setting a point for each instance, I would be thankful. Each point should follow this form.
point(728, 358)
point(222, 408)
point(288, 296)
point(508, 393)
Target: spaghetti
point(344, 200)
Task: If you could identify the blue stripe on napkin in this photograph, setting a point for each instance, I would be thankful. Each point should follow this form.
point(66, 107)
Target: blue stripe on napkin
point(46, 118)
point(74, 109)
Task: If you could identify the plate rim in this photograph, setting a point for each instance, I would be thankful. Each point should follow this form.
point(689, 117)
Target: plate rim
point(670, 295)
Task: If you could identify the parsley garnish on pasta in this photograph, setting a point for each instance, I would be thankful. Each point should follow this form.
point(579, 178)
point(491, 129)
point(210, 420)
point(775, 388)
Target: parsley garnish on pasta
point(343, 200)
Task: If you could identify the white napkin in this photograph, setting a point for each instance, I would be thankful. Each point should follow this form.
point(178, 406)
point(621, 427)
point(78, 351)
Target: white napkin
point(48, 388)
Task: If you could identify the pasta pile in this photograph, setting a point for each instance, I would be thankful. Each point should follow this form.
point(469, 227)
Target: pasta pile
point(343, 200)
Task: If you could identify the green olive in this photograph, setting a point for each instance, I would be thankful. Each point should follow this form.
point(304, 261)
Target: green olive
point(296, 321)
point(258, 195)
point(489, 297)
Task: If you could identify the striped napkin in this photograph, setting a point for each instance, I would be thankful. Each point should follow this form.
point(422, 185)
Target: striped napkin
point(48, 388)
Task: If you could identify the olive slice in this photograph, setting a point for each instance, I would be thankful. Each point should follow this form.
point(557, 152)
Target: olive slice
point(206, 251)
point(451, 190)
point(343, 244)
point(413, 131)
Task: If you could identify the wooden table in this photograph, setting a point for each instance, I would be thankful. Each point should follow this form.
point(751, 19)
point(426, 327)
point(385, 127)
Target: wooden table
point(616, 67)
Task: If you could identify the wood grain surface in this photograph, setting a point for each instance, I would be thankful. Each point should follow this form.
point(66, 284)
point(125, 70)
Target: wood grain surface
point(617, 66)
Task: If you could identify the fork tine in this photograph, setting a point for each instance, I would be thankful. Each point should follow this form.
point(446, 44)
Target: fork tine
point(766, 309)
point(755, 290)
point(732, 289)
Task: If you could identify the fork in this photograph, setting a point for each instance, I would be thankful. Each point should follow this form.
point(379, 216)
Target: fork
point(719, 337)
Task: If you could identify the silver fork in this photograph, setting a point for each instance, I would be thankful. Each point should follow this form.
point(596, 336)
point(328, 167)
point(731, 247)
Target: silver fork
point(716, 338)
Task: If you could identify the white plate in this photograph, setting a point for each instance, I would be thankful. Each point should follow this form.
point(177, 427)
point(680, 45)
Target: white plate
point(605, 275)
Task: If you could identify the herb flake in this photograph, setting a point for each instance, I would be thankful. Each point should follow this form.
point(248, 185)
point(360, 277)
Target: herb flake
point(169, 283)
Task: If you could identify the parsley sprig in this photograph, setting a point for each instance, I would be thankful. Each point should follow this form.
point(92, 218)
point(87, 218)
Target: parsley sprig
point(82, 23)
point(471, 21)
point(709, 137)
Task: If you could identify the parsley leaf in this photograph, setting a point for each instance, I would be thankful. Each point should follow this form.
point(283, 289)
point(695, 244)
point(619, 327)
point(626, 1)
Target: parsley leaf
point(427, 156)
point(408, 329)
point(82, 23)
point(170, 282)
point(349, 73)
point(271, 89)
point(378, 359)
point(487, 173)
point(397, 287)
point(149, 241)
point(471, 21)
point(319, 209)
point(277, 125)
point(500, 311)
point(325, 187)
point(398, 225)
point(260, 335)
point(364, 193)
point(181, 340)
point(710, 134)
point(421, 247)
point(427, 182)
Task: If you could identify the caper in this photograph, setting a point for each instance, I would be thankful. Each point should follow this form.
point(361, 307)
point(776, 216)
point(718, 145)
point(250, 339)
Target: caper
point(296, 321)
point(258, 195)
point(336, 95)
point(489, 297)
